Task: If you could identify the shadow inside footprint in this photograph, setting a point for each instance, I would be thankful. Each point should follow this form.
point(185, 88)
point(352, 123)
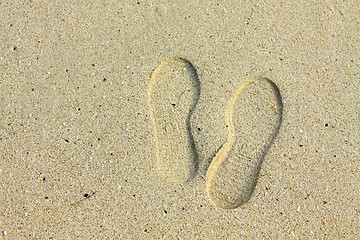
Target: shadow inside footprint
point(254, 116)
point(174, 91)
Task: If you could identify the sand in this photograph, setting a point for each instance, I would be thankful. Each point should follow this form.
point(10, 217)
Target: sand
point(77, 148)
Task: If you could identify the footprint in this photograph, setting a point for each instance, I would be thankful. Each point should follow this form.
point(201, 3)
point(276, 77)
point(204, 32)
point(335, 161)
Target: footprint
point(253, 117)
point(174, 91)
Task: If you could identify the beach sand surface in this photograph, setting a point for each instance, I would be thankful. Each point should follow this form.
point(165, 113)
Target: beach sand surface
point(77, 145)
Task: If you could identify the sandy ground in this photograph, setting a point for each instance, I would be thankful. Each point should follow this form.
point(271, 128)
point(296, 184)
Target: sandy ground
point(76, 142)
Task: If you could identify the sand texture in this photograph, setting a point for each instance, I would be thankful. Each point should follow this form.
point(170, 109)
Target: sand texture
point(115, 119)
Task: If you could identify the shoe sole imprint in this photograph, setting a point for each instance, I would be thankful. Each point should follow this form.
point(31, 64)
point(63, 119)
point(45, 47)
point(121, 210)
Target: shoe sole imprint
point(253, 117)
point(174, 91)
